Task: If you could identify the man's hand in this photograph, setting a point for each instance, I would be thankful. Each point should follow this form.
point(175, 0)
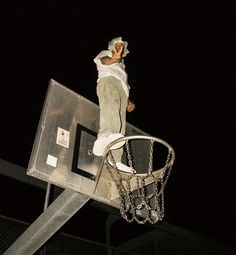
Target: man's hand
point(117, 53)
point(130, 106)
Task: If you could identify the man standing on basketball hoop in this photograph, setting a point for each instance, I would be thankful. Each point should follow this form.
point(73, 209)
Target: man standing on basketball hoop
point(113, 96)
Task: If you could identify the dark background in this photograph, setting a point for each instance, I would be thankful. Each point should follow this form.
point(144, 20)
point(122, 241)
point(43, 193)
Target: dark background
point(182, 75)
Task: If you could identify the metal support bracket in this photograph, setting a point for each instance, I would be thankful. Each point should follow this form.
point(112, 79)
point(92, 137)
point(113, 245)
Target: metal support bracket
point(55, 216)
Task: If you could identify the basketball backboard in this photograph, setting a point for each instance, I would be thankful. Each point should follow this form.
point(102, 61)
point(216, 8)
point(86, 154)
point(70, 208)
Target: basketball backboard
point(62, 150)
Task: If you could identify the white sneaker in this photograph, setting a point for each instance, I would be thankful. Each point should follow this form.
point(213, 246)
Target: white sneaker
point(123, 168)
point(102, 142)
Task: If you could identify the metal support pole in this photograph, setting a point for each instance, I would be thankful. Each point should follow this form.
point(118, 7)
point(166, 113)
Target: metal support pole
point(55, 216)
point(47, 196)
point(46, 203)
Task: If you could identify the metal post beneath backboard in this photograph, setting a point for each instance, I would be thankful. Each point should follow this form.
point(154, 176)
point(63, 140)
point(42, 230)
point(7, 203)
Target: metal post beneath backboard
point(52, 219)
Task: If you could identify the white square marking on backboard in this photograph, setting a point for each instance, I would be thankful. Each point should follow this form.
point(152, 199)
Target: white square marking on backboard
point(51, 160)
point(63, 137)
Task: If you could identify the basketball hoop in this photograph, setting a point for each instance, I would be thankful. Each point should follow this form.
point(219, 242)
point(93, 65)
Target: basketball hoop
point(142, 190)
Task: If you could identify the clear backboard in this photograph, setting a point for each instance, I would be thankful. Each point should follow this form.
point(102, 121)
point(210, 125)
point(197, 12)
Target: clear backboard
point(62, 150)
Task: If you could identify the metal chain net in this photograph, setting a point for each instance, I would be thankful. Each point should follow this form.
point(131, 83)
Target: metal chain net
point(145, 203)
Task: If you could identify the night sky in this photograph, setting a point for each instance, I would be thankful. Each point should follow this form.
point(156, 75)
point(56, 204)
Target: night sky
point(181, 69)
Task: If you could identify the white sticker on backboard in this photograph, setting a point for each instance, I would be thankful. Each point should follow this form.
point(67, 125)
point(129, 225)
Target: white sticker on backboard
point(63, 137)
point(51, 160)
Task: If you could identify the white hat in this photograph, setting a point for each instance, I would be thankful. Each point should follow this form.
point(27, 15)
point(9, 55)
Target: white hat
point(112, 43)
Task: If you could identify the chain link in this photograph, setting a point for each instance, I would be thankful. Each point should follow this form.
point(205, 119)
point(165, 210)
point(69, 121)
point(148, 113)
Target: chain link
point(137, 205)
